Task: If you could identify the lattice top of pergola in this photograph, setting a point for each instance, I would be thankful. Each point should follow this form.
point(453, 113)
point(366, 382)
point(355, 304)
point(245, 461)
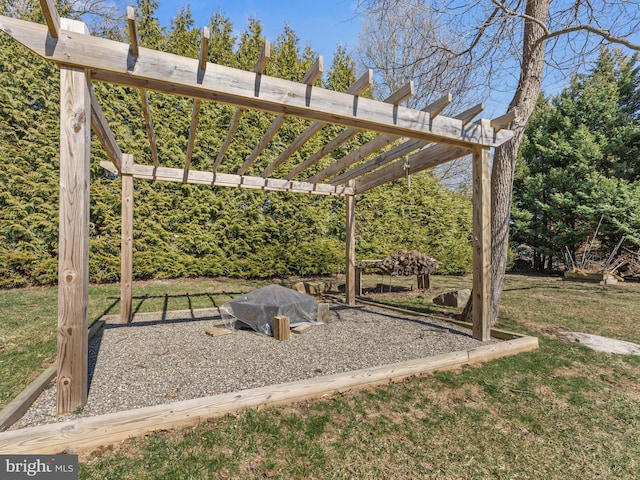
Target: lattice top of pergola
point(423, 138)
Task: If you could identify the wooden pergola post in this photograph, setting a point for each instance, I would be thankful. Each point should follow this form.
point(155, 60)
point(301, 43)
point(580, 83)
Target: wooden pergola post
point(126, 245)
point(481, 243)
point(350, 227)
point(73, 256)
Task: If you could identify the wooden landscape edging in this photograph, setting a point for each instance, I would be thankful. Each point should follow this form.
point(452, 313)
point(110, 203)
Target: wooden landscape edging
point(92, 432)
point(495, 332)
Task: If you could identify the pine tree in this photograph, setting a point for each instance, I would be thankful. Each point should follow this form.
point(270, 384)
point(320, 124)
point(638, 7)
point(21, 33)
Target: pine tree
point(577, 164)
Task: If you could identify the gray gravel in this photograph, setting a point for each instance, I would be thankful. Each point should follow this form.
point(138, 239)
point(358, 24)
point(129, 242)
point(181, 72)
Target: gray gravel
point(166, 358)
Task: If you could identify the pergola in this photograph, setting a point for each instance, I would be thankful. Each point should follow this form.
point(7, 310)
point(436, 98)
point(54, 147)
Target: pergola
point(421, 139)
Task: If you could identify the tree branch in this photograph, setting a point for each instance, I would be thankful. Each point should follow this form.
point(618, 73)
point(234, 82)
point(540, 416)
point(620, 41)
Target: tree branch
point(601, 32)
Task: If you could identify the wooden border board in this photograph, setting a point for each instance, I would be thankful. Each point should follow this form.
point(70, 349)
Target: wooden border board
point(92, 432)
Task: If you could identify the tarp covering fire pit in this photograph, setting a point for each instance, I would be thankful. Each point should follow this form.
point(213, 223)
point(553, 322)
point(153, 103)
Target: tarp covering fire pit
point(256, 309)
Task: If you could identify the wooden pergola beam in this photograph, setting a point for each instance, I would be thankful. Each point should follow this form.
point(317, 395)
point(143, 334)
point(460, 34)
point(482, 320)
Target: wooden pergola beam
point(134, 39)
point(360, 85)
point(148, 121)
point(262, 144)
point(173, 74)
point(405, 148)
point(374, 145)
point(422, 160)
point(73, 244)
point(263, 59)
point(436, 107)
point(104, 133)
point(481, 244)
point(399, 96)
point(126, 243)
point(356, 155)
point(503, 121)
point(233, 126)
point(309, 79)
point(265, 55)
point(197, 177)
point(350, 245)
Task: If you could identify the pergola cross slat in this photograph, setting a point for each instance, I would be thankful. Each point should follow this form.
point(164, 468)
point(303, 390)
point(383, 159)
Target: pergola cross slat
point(361, 85)
point(376, 144)
point(401, 150)
point(394, 99)
point(195, 111)
point(84, 58)
point(144, 97)
point(309, 79)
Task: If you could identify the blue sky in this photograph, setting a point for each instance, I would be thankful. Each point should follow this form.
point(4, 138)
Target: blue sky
point(323, 24)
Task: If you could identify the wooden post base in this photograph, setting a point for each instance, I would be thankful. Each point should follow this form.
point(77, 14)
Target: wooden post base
point(281, 329)
point(424, 282)
point(323, 312)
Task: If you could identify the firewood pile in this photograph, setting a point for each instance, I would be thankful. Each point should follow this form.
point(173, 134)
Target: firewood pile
point(628, 263)
point(403, 263)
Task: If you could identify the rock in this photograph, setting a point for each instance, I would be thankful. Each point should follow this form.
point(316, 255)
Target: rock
point(455, 298)
point(304, 287)
point(330, 287)
point(604, 344)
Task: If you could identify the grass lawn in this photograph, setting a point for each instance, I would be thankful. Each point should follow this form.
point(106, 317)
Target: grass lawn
point(561, 412)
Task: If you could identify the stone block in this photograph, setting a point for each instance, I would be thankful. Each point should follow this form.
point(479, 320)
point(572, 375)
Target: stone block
point(455, 298)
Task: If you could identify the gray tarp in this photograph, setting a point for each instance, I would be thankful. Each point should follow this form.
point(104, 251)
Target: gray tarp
point(256, 309)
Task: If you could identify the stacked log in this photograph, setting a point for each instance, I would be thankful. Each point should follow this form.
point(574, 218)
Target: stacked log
point(404, 263)
point(628, 264)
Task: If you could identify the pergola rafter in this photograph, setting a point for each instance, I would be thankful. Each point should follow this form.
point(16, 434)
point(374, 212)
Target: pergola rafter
point(144, 97)
point(376, 144)
point(360, 86)
point(195, 112)
point(258, 69)
point(398, 151)
point(394, 99)
point(84, 58)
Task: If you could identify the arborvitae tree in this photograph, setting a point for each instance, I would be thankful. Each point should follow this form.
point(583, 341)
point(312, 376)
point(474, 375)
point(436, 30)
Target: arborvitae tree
point(342, 73)
point(183, 38)
point(185, 230)
point(28, 179)
point(286, 61)
point(416, 213)
point(222, 42)
point(250, 45)
point(149, 30)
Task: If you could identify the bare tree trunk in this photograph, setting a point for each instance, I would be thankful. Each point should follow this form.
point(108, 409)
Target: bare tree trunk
point(489, 36)
point(504, 159)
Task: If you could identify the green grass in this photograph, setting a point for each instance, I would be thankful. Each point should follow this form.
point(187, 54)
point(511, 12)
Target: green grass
point(560, 412)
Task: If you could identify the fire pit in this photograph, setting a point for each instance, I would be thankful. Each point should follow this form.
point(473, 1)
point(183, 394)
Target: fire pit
point(258, 308)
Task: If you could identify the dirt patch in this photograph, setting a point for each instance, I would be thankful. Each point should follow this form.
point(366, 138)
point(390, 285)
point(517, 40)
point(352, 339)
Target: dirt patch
point(556, 332)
